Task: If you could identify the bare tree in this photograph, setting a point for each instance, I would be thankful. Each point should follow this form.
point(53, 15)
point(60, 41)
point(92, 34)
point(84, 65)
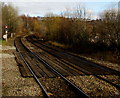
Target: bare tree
point(112, 27)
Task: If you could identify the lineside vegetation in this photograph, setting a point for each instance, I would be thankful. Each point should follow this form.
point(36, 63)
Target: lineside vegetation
point(73, 29)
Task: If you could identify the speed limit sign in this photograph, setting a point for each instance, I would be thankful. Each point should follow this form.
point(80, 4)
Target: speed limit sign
point(4, 36)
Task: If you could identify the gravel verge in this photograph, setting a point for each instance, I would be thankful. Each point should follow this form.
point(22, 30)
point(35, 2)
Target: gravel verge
point(12, 82)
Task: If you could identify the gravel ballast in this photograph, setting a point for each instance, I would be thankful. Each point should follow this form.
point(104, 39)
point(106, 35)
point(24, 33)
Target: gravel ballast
point(93, 86)
point(15, 85)
point(12, 82)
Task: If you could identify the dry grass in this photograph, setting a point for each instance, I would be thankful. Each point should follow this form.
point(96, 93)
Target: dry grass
point(58, 44)
point(103, 56)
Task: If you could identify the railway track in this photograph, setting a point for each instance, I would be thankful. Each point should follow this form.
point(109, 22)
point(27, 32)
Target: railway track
point(21, 48)
point(55, 53)
point(74, 57)
point(112, 71)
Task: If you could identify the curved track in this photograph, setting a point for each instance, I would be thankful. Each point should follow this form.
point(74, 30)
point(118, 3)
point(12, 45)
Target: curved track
point(20, 46)
point(58, 53)
point(66, 54)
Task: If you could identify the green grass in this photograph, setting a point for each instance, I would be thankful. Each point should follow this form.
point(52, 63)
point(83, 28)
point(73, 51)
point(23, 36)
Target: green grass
point(0, 42)
point(4, 43)
point(118, 84)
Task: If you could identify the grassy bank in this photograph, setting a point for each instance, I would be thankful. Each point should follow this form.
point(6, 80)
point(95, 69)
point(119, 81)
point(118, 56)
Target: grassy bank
point(8, 43)
point(3, 42)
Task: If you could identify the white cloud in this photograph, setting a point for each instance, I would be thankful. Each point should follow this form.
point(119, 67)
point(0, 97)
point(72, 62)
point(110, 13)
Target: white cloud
point(60, 1)
point(41, 8)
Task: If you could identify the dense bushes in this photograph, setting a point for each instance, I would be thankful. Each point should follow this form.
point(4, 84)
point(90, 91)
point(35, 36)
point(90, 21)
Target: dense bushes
point(96, 38)
point(80, 33)
point(66, 30)
point(86, 35)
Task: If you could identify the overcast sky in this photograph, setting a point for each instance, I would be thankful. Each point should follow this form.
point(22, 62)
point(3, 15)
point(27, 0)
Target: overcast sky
point(59, 0)
point(41, 7)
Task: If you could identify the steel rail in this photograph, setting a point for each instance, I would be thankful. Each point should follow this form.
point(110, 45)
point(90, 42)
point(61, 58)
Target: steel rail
point(79, 92)
point(85, 71)
point(34, 75)
point(85, 61)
